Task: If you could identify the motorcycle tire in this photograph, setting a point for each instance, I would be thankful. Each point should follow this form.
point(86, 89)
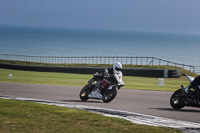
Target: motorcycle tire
point(109, 95)
point(84, 93)
point(176, 100)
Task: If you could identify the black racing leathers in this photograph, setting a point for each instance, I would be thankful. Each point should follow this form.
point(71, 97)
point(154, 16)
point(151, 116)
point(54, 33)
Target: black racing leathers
point(109, 75)
point(195, 84)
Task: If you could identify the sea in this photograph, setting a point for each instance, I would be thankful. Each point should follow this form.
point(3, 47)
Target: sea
point(64, 42)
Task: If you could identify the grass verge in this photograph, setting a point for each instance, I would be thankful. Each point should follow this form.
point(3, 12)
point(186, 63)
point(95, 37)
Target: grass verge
point(23, 116)
point(51, 78)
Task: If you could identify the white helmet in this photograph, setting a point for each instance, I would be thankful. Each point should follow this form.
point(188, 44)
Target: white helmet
point(117, 67)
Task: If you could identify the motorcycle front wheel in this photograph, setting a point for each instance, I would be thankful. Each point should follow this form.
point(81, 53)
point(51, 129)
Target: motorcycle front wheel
point(84, 93)
point(177, 100)
point(109, 95)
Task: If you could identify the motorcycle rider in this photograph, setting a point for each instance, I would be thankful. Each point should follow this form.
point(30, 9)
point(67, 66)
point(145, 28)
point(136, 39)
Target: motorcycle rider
point(108, 76)
point(195, 84)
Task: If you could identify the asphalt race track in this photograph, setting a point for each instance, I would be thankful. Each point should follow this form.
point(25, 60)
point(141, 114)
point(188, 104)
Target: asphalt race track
point(154, 103)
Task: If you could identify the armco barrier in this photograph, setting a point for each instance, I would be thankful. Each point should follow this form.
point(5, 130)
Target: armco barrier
point(157, 73)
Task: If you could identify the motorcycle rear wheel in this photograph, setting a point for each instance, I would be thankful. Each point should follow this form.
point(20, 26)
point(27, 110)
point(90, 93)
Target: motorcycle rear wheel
point(109, 95)
point(84, 93)
point(177, 100)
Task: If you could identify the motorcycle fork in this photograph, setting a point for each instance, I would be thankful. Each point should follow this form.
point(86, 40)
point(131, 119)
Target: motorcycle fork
point(183, 92)
point(91, 86)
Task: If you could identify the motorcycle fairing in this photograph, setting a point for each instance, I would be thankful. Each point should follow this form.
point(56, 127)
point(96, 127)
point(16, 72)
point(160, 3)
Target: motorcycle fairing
point(95, 95)
point(104, 83)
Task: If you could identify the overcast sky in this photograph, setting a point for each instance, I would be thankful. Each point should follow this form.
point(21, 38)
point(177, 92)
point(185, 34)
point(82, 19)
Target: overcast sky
point(137, 15)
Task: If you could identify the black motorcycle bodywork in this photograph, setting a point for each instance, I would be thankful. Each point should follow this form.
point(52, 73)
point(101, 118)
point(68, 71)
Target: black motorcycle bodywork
point(180, 98)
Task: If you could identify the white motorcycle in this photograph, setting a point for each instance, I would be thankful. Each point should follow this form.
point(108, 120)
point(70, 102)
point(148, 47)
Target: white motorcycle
point(111, 84)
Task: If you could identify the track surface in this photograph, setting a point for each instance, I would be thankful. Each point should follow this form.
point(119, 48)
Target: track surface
point(146, 102)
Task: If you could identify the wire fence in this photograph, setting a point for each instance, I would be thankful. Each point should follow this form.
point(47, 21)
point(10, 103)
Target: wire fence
point(98, 60)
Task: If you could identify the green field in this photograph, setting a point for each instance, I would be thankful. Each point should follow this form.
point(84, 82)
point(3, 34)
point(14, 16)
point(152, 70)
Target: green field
point(51, 78)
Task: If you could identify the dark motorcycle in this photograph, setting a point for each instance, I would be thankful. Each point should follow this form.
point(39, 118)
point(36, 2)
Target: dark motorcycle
point(111, 84)
point(180, 98)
